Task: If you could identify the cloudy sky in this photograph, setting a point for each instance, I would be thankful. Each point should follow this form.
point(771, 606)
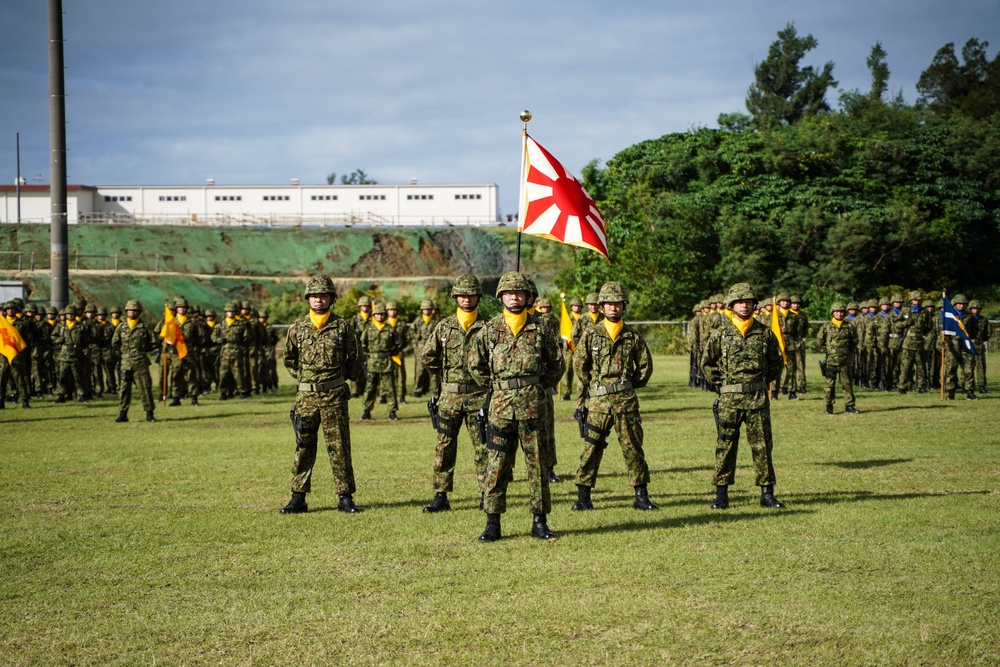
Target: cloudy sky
point(262, 91)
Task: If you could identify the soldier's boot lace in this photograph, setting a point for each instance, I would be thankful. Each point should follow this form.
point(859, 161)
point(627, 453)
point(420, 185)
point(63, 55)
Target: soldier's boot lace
point(149, 416)
point(582, 498)
point(721, 501)
point(553, 477)
point(439, 503)
point(346, 504)
point(641, 501)
point(767, 498)
point(492, 532)
point(297, 505)
point(540, 529)
point(122, 417)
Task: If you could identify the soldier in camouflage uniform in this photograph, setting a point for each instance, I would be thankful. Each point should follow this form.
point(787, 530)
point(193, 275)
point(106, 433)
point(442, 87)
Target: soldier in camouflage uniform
point(801, 330)
point(184, 372)
point(231, 337)
point(741, 359)
point(20, 367)
point(213, 351)
point(911, 359)
point(379, 344)
point(881, 332)
point(612, 362)
point(269, 358)
point(402, 346)
point(132, 341)
point(424, 381)
point(519, 360)
point(69, 339)
point(575, 310)
point(322, 354)
point(980, 330)
point(445, 354)
point(361, 319)
point(957, 356)
point(106, 360)
point(542, 309)
point(588, 319)
point(899, 322)
point(838, 340)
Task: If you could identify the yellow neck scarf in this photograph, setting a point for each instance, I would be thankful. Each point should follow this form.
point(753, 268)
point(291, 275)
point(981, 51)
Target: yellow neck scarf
point(229, 321)
point(836, 323)
point(515, 321)
point(783, 311)
point(425, 318)
point(211, 323)
point(741, 325)
point(363, 315)
point(115, 321)
point(379, 325)
point(466, 320)
point(10, 319)
point(131, 323)
point(182, 319)
point(575, 316)
point(392, 321)
point(593, 316)
point(613, 328)
point(319, 320)
point(531, 310)
point(70, 324)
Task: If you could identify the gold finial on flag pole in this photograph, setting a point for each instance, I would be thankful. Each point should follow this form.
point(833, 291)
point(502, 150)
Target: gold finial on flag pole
point(525, 116)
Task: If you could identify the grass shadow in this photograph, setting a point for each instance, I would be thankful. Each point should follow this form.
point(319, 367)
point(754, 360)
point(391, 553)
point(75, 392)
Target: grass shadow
point(865, 465)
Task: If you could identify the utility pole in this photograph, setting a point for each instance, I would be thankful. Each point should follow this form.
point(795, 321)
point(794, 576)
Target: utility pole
point(57, 159)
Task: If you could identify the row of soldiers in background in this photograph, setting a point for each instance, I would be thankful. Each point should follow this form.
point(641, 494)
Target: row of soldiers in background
point(70, 353)
point(899, 346)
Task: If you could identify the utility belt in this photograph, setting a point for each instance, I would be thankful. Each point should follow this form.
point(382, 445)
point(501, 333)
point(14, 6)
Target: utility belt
point(380, 355)
point(328, 385)
point(914, 334)
point(461, 388)
point(517, 383)
point(617, 387)
point(748, 388)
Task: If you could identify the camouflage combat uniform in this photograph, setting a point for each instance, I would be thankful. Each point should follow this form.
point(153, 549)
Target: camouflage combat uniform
point(231, 336)
point(69, 340)
point(838, 342)
point(132, 342)
point(379, 345)
point(422, 328)
point(911, 357)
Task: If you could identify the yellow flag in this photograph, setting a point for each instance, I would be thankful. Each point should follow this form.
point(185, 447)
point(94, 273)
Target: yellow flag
point(171, 333)
point(566, 326)
point(11, 342)
point(776, 329)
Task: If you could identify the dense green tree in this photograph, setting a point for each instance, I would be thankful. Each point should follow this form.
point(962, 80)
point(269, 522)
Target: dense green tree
point(971, 87)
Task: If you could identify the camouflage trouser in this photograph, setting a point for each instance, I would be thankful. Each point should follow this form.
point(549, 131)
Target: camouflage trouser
point(20, 372)
point(548, 435)
point(329, 410)
point(979, 365)
point(71, 377)
point(108, 365)
point(378, 384)
point(840, 374)
point(911, 364)
point(231, 377)
point(141, 378)
point(501, 452)
point(800, 367)
point(421, 378)
point(628, 426)
point(566, 386)
point(952, 362)
point(871, 364)
point(892, 361)
point(453, 411)
point(789, 376)
point(244, 381)
point(183, 376)
point(399, 379)
point(728, 420)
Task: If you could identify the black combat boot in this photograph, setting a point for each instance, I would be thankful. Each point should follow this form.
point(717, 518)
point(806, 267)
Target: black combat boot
point(721, 501)
point(346, 504)
point(540, 529)
point(641, 501)
point(24, 403)
point(851, 410)
point(439, 503)
point(492, 532)
point(297, 505)
point(553, 477)
point(392, 416)
point(175, 402)
point(582, 498)
point(951, 395)
point(149, 416)
point(829, 408)
point(366, 415)
point(194, 400)
point(122, 417)
point(767, 498)
point(971, 396)
point(792, 396)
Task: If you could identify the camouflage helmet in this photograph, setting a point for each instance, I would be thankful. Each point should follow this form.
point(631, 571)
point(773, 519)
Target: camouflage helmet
point(115, 310)
point(852, 305)
point(31, 310)
point(837, 305)
point(51, 310)
point(916, 296)
point(68, 310)
point(209, 312)
point(232, 306)
point(91, 308)
point(181, 302)
point(927, 303)
point(467, 285)
point(576, 301)
point(321, 284)
point(740, 292)
point(873, 303)
point(613, 291)
point(512, 281)
point(378, 308)
point(543, 302)
point(133, 304)
point(364, 300)
point(592, 298)
point(18, 302)
point(783, 296)
point(391, 305)
point(974, 303)
point(883, 301)
point(532, 288)
point(795, 298)
point(897, 297)
point(426, 304)
point(959, 298)
point(262, 314)
point(102, 311)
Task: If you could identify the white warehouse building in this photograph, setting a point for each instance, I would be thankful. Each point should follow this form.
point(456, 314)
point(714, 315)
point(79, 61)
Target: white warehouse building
point(292, 205)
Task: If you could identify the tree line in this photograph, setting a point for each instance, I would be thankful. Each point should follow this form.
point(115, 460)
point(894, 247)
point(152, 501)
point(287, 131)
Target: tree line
point(798, 196)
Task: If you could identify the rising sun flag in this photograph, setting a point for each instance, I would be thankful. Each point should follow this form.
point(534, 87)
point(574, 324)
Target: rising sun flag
point(554, 205)
point(171, 333)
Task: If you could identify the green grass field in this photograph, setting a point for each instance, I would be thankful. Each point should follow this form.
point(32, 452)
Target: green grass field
point(132, 544)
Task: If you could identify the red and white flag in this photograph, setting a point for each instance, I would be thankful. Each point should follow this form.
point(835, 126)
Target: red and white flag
point(554, 205)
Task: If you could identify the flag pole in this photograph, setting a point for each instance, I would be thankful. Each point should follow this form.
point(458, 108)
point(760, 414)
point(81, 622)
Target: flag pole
point(525, 116)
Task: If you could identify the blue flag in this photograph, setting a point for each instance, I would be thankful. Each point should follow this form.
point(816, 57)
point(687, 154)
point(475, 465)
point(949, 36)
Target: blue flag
point(952, 325)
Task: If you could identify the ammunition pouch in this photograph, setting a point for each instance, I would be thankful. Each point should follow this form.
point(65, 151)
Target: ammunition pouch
point(722, 426)
point(304, 438)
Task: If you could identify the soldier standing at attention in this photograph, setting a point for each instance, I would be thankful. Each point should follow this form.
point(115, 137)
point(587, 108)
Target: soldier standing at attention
point(402, 343)
point(519, 360)
point(838, 340)
point(957, 356)
point(575, 308)
point(184, 372)
point(132, 342)
point(461, 397)
point(800, 333)
point(612, 362)
point(911, 359)
point(741, 359)
point(980, 330)
point(378, 346)
point(361, 319)
point(589, 319)
point(421, 328)
point(321, 353)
